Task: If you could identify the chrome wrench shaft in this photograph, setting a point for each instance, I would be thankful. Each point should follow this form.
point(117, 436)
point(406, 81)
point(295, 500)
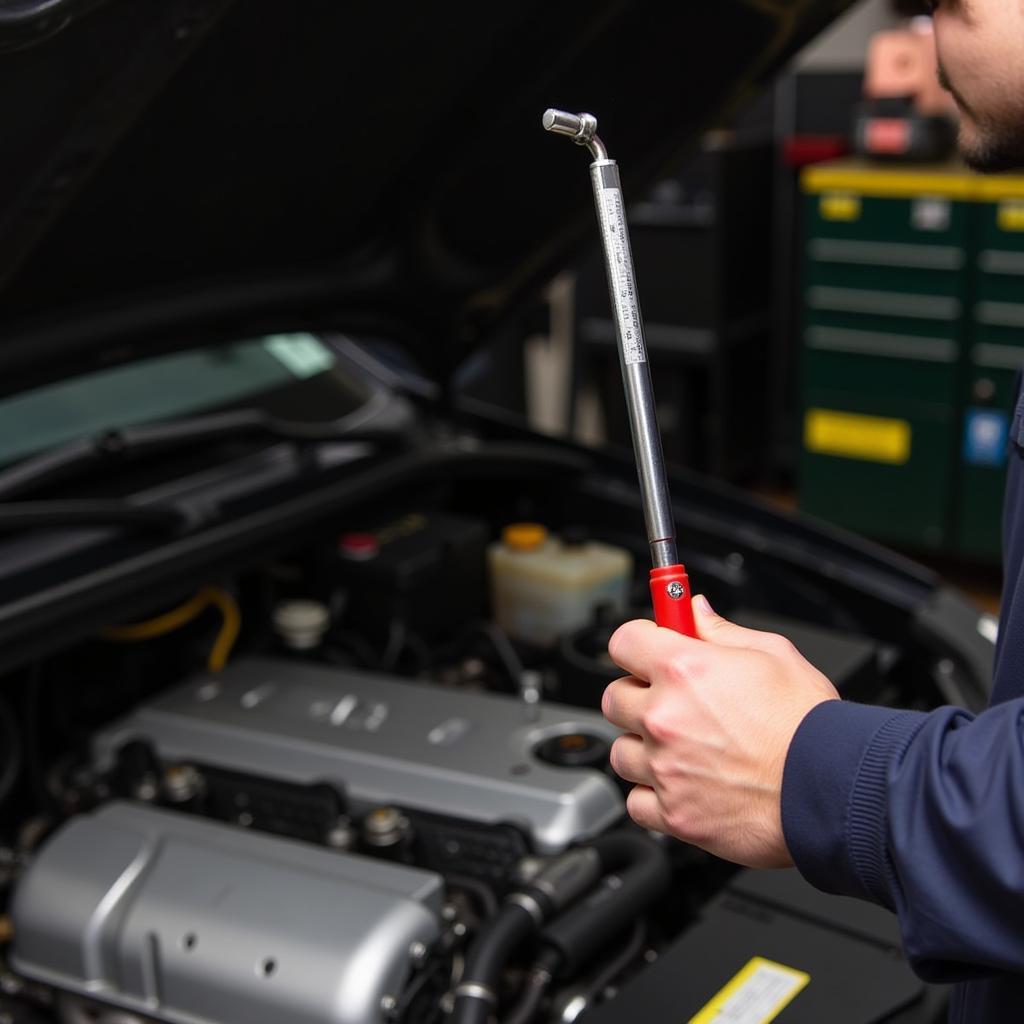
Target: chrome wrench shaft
point(636, 375)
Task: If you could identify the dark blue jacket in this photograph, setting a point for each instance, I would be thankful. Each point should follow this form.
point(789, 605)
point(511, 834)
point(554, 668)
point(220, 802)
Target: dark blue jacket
point(924, 813)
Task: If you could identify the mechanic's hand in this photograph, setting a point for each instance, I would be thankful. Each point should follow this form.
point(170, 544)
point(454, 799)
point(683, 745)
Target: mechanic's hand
point(709, 723)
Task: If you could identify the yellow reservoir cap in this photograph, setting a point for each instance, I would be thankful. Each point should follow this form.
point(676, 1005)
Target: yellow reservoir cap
point(524, 536)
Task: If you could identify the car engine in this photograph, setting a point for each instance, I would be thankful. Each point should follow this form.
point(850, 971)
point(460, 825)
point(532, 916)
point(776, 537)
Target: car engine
point(386, 798)
point(287, 841)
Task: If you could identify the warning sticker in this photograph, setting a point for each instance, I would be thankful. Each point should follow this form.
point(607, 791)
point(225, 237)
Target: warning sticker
point(757, 995)
point(623, 286)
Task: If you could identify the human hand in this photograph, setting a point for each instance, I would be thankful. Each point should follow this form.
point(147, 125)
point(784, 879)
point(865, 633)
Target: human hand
point(708, 725)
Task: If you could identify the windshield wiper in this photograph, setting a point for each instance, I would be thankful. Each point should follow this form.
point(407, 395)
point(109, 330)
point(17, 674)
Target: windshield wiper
point(76, 457)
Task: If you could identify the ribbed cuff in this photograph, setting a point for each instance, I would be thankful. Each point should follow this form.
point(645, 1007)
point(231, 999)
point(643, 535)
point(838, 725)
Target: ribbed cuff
point(834, 795)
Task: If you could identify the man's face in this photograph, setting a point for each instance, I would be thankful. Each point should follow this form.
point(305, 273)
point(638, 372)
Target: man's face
point(981, 61)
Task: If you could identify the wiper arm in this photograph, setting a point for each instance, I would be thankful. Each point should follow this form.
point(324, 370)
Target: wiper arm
point(78, 456)
point(41, 515)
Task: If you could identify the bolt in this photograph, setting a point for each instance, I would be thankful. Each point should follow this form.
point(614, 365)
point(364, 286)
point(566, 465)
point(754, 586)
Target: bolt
point(418, 953)
point(388, 1005)
point(458, 929)
point(676, 590)
point(341, 836)
point(245, 819)
point(384, 827)
point(9, 984)
point(449, 912)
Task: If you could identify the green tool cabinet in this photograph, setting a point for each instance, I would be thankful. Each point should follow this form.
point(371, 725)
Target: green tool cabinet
point(913, 329)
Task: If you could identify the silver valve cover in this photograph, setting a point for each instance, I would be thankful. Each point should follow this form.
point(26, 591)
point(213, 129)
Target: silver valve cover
point(194, 922)
point(381, 740)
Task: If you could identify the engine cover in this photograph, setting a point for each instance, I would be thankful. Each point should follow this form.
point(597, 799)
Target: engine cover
point(201, 923)
point(380, 740)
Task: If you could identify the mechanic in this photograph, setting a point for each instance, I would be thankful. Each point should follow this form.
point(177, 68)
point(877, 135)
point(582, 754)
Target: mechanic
point(738, 745)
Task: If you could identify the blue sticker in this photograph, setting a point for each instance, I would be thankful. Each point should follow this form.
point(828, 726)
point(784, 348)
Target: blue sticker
point(985, 435)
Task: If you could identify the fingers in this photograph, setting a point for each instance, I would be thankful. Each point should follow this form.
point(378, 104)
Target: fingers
point(640, 647)
point(624, 701)
point(629, 760)
point(712, 627)
point(643, 807)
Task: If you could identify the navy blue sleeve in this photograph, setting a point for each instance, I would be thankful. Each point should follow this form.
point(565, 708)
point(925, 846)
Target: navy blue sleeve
point(923, 813)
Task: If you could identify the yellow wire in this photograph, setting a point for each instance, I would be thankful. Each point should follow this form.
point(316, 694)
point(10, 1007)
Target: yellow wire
point(182, 615)
point(162, 624)
point(229, 629)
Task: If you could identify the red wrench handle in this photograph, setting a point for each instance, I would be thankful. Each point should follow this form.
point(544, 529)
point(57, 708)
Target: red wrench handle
point(670, 593)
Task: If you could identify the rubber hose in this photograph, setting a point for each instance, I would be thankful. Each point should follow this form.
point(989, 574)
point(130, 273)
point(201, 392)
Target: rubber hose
point(638, 873)
point(488, 955)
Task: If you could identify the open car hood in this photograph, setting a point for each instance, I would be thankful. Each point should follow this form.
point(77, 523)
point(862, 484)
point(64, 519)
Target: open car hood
point(173, 167)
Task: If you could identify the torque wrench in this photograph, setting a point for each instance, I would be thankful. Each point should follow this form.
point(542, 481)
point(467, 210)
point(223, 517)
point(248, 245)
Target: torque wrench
point(670, 588)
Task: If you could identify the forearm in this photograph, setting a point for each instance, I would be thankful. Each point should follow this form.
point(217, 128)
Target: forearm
point(923, 813)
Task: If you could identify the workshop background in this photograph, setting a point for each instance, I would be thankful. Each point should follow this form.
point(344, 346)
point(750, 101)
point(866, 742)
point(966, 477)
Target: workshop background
point(831, 307)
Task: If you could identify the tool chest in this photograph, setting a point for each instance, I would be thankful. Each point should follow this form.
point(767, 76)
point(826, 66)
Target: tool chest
point(913, 326)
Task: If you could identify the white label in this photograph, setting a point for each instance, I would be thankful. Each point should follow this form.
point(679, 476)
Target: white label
point(623, 286)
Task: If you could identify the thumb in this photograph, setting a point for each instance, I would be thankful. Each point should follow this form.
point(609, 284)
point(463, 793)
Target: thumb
point(712, 627)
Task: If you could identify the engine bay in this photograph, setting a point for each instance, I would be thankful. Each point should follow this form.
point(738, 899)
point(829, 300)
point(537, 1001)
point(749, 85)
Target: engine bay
point(364, 780)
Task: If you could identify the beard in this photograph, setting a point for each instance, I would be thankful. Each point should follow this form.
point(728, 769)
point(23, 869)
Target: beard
point(991, 141)
point(992, 148)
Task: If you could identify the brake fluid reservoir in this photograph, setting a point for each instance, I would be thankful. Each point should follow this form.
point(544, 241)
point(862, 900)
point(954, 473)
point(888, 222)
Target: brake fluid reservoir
point(543, 587)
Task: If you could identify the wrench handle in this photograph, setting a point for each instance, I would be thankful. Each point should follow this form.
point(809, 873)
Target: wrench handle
point(670, 594)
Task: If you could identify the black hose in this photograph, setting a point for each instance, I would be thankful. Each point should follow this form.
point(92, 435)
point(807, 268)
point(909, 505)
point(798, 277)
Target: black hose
point(585, 993)
point(612, 905)
point(476, 994)
point(637, 873)
point(627, 847)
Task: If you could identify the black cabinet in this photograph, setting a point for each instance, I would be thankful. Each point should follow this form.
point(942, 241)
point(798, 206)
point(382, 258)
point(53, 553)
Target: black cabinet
point(702, 249)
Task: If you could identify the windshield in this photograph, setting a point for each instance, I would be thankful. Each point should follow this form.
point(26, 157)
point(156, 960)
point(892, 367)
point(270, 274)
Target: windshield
point(161, 388)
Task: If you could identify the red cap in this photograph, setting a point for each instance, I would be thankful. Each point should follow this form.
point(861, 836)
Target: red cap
point(358, 546)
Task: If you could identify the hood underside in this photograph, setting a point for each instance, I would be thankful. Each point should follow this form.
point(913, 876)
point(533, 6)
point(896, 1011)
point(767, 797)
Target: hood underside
point(174, 166)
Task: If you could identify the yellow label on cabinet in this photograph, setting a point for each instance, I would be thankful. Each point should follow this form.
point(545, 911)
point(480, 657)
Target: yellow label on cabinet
point(839, 206)
point(1011, 215)
point(854, 436)
point(757, 995)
